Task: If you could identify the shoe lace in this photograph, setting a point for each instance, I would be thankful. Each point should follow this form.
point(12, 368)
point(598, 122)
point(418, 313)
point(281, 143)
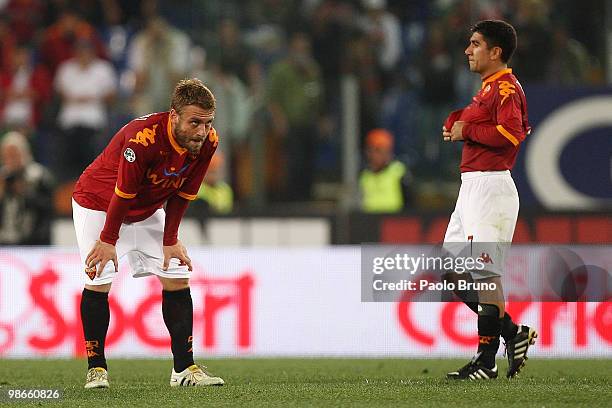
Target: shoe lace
point(205, 370)
point(198, 374)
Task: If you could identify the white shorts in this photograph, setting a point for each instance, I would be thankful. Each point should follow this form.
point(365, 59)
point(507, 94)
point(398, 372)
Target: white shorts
point(484, 219)
point(141, 241)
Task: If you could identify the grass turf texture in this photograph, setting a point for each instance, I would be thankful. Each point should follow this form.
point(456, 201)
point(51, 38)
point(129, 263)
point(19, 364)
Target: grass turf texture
point(319, 382)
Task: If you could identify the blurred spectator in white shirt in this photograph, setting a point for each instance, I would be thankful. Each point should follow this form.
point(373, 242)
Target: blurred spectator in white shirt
point(85, 84)
point(158, 57)
point(384, 32)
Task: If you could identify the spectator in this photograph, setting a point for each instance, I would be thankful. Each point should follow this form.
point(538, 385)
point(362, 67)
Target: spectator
point(534, 51)
point(159, 57)
point(385, 35)
point(86, 84)
point(233, 108)
point(294, 100)
point(216, 195)
point(25, 194)
point(24, 90)
point(8, 42)
point(230, 50)
point(361, 63)
point(116, 33)
point(570, 62)
point(281, 13)
point(385, 184)
point(437, 92)
point(26, 17)
point(60, 38)
point(331, 24)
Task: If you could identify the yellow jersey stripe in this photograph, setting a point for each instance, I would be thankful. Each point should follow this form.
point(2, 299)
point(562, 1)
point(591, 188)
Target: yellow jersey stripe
point(186, 196)
point(173, 142)
point(496, 75)
point(507, 135)
point(122, 194)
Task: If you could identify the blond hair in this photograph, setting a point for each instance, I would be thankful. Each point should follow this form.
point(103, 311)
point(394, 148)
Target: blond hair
point(192, 91)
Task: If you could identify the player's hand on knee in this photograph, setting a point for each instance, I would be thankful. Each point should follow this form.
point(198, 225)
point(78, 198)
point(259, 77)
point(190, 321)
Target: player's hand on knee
point(179, 252)
point(100, 255)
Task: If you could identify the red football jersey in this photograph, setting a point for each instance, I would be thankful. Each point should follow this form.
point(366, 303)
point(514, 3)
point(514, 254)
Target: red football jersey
point(497, 123)
point(144, 162)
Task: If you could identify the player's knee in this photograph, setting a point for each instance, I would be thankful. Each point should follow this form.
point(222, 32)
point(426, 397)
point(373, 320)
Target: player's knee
point(174, 284)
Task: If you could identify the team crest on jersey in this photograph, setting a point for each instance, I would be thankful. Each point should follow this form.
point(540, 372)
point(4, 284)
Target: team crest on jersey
point(129, 155)
point(485, 258)
point(90, 271)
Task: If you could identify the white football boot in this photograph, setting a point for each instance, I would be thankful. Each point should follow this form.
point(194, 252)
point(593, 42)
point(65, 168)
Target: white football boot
point(97, 377)
point(194, 376)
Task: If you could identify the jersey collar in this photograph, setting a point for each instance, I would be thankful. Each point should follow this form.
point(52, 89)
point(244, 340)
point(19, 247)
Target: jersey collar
point(173, 142)
point(495, 76)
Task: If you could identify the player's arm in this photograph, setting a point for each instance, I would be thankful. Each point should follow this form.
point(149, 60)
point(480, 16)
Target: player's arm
point(508, 131)
point(104, 248)
point(131, 168)
point(177, 205)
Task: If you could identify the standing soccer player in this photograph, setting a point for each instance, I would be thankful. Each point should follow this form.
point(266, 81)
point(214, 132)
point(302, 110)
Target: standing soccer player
point(492, 127)
point(157, 159)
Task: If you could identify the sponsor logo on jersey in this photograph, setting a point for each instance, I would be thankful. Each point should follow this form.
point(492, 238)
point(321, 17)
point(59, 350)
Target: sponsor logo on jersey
point(129, 155)
point(145, 137)
point(173, 173)
point(165, 182)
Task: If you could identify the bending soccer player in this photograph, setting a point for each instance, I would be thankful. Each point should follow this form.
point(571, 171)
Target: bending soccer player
point(154, 160)
point(492, 128)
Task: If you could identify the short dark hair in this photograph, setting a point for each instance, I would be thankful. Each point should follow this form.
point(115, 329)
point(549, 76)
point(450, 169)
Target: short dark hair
point(498, 33)
point(192, 92)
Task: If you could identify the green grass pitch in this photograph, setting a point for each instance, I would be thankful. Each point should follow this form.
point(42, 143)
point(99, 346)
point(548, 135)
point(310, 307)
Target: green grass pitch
point(319, 382)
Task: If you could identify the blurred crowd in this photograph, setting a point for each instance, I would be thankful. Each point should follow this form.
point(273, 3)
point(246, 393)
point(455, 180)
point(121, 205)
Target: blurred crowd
point(73, 72)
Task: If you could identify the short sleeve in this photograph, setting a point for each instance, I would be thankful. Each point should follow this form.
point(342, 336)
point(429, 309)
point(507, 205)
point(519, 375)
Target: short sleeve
point(134, 160)
point(509, 112)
